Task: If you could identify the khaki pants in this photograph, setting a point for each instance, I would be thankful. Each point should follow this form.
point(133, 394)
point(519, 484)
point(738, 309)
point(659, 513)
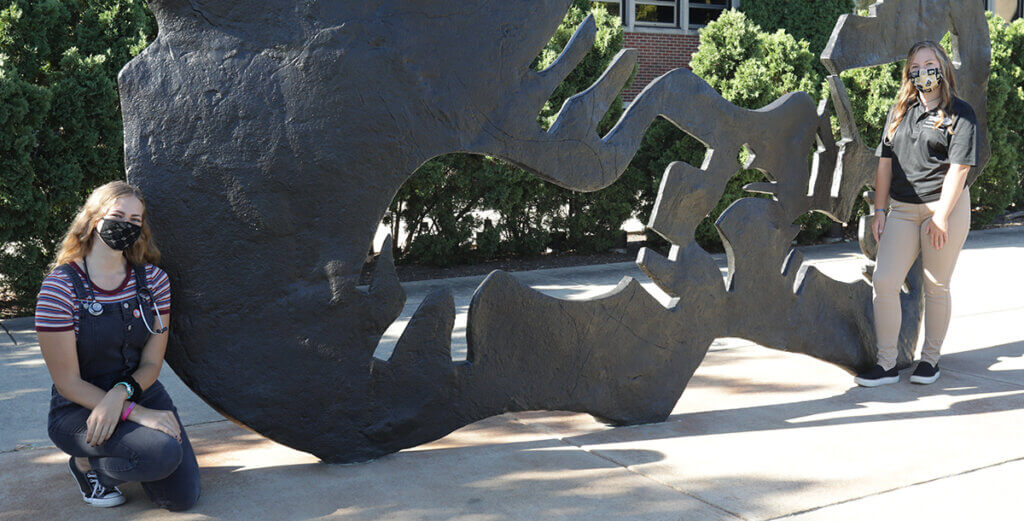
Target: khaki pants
point(902, 239)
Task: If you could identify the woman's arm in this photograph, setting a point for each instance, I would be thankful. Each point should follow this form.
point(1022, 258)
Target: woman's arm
point(152, 356)
point(149, 369)
point(883, 180)
point(952, 189)
point(107, 406)
point(62, 361)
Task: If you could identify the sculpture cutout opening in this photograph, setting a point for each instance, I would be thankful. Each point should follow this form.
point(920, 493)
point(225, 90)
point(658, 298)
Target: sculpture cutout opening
point(270, 136)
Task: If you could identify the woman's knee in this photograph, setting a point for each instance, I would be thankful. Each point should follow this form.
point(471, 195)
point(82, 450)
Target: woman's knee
point(935, 289)
point(183, 501)
point(886, 282)
point(160, 457)
point(179, 493)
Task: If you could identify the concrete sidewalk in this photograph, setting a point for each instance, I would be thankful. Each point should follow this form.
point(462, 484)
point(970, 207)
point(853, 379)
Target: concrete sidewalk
point(758, 434)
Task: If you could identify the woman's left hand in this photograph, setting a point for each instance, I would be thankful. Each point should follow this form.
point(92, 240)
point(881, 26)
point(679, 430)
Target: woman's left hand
point(104, 417)
point(938, 231)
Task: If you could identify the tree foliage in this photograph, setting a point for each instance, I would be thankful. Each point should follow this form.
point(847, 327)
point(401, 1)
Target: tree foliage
point(60, 122)
point(1002, 181)
point(808, 20)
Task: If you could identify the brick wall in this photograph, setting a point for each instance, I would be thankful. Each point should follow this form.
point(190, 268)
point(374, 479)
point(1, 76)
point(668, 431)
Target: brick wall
point(659, 53)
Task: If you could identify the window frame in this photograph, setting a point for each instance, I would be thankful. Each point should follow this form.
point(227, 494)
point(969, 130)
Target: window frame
point(728, 5)
point(674, 4)
point(627, 13)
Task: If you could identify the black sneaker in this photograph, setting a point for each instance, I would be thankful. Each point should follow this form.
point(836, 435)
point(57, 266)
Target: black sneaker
point(925, 373)
point(93, 492)
point(877, 376)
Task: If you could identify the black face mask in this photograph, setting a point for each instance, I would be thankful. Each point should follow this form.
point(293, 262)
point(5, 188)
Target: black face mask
point(119, 235)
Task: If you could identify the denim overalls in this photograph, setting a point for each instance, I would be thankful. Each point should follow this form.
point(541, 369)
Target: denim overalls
point(109, 344)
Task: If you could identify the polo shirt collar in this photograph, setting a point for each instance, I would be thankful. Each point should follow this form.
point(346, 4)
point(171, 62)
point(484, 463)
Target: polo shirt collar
point(917, 103)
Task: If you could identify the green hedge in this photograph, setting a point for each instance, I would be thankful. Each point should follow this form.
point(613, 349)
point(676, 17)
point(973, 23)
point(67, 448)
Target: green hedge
point(1002, 182)
point(808, 20)
point(60, 123)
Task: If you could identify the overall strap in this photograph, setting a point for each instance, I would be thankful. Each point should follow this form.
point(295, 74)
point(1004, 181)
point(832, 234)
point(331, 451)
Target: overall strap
point(76, 281)
point(141, 284)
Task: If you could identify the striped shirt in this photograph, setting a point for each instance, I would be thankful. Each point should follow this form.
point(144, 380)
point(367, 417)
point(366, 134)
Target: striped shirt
point(57, 308)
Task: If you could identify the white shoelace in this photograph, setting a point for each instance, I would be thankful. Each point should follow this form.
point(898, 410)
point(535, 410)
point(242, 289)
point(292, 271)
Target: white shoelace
point(98, 490)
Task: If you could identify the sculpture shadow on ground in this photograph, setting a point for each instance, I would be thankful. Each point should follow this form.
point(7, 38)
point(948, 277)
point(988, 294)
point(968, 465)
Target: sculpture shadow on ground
point(271, 136)
point(558, 467)
point(972, 377)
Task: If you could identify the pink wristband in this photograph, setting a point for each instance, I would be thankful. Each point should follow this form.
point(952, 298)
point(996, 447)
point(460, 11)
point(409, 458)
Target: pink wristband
point(127, 411)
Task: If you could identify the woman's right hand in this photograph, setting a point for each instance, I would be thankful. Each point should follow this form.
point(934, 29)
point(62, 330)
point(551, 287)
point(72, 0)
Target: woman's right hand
point(878, 226)
point(163, 421)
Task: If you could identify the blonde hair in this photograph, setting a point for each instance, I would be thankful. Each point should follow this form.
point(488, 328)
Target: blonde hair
point(908, 93)
point(79, 239)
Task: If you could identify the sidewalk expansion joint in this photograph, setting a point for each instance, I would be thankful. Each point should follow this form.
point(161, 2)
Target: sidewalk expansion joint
point(669, 486)
point(26, 448)
point(989, 312)
point(984, 377)
point(894, 489)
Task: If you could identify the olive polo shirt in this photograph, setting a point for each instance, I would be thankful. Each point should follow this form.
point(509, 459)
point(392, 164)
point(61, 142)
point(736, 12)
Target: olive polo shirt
point(921, 154)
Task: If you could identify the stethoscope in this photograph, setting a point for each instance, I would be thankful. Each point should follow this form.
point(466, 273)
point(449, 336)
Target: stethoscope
point(96, 309)
point(149, 298)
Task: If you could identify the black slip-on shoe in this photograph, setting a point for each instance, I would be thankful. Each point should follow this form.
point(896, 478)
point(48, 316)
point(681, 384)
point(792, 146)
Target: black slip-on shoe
point(877, 376)
point(93, 492)
point(925, 373)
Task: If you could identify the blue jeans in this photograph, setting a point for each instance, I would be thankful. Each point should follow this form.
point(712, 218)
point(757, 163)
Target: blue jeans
point(166, 468)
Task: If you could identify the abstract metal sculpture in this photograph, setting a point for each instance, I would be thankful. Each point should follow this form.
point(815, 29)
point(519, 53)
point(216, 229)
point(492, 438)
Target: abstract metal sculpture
point(270, 137)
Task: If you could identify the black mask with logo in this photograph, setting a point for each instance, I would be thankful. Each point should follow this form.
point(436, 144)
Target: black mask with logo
point(119, 235)
point(926, 80)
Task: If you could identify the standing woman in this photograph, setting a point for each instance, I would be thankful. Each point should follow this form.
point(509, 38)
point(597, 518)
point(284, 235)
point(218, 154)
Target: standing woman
point(927, 150)
point(102, 318)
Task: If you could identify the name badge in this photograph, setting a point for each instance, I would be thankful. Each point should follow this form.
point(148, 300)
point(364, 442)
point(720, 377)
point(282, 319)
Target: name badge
point(931, 121)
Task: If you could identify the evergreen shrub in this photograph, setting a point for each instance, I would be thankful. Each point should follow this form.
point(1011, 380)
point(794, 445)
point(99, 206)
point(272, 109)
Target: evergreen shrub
point(60, 123)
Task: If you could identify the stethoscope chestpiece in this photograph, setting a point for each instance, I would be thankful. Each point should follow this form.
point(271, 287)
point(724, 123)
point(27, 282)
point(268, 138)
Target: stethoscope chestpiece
point(95, 309)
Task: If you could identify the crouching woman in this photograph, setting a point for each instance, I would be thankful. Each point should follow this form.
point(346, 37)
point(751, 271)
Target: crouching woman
point(102, 317)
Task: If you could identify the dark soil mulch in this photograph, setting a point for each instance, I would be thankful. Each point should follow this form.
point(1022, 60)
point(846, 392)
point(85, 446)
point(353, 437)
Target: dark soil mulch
point(410, 272)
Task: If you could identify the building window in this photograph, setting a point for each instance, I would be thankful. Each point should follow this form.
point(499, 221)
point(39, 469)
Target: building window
point(703, 12)
point(656, 13)
point(666, 14)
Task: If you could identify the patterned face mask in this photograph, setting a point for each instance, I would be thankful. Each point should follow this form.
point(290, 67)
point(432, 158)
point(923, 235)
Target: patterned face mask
point(926, 80)
point(119, 235)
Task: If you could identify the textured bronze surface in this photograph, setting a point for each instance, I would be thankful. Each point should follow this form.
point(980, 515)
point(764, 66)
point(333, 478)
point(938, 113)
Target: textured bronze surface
point(270, 136)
